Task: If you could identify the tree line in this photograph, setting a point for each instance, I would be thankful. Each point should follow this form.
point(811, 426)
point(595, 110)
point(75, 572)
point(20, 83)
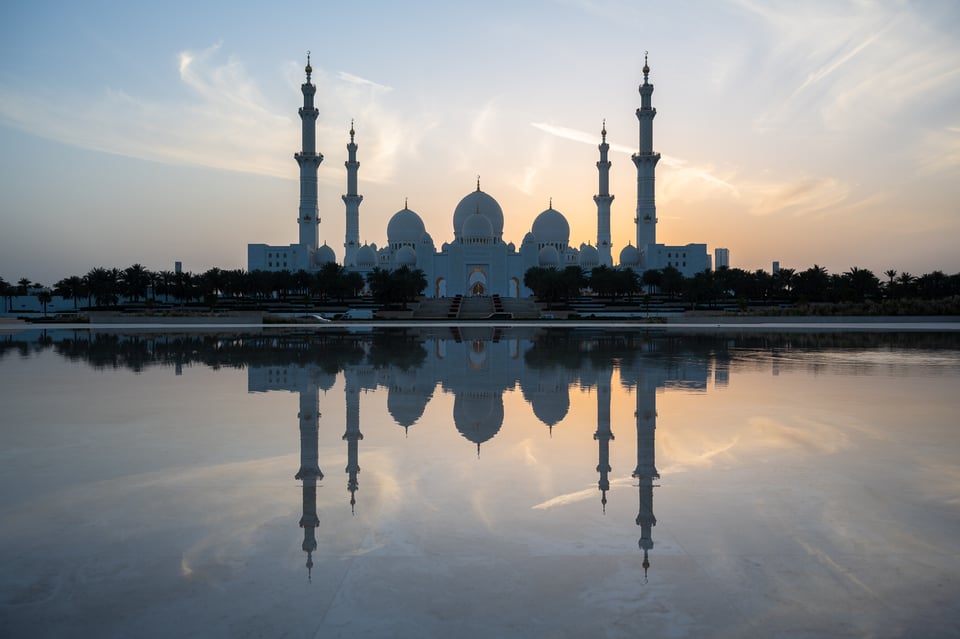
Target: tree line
point(106, 287)
point(724, 285)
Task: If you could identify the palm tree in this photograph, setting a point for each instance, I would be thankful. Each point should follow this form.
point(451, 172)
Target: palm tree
point(6, 291)
point(652, 278)
point(783, 281)
point(134, 281)
point(23, 286)
point(671, 281)
point(44, 297)
point(102, 285)
point(812, 284)
point(905, 284)
point(72, 287)
point(862, 283)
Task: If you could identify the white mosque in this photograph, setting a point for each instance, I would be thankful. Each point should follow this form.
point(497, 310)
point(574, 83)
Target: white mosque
point(477, 261)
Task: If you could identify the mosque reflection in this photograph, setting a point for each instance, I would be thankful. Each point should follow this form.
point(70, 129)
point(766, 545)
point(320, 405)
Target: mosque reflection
point(477, 367)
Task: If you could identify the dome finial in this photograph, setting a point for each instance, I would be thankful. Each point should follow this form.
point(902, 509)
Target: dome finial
point(478, 182)
point(404, 204)
point(551, 204)
point(308, 68)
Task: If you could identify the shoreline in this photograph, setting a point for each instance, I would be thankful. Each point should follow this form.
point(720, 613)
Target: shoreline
point(672, 324)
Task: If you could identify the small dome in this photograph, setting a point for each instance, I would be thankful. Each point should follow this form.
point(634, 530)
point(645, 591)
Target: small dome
point(405, 256)
point(405, 227)
point(479, 416)
point(477, 227)
point(551, 227)
point(406, 407)
point(323, 380)
point(549, 257)
point(551, 408)
point(589, 256)
point(629, 256)
point(478, 202)
point(324, 255)
point(366, 256)
point(529, 238)
point(426, 239)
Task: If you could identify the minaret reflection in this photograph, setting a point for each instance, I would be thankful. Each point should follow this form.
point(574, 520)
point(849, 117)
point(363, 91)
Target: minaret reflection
point(308, 381)
point(646, 470)
point(603, 434)
point(477, 369)
point(309, 472)
point(352, 436)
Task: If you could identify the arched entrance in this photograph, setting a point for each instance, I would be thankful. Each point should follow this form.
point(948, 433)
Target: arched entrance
point(477, 282)
point(440, 287)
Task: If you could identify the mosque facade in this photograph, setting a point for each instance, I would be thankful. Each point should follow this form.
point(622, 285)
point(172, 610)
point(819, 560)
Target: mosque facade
point(477, 261)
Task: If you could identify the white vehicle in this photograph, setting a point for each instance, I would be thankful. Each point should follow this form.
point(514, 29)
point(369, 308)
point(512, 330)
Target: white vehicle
point(357, 314)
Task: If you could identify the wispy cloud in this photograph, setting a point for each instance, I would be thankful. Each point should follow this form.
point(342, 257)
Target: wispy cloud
point(223, 121)
point(696, 182)
point(850, 63)
point(801, 196)
point(939, 151)
point(353, 79)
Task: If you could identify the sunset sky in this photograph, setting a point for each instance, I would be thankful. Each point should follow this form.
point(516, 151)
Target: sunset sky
point(818, 132)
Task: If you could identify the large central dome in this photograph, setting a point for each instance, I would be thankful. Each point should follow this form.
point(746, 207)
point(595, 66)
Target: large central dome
point(478, 202)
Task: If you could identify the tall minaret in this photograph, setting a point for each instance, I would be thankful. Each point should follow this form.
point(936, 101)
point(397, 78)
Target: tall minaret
point(309, 161)
point(352, 202)
point(646, 162)
point(646, 470)
point(603, 200)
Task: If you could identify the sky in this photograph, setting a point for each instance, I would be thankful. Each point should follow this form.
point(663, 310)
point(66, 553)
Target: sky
point(823, 132)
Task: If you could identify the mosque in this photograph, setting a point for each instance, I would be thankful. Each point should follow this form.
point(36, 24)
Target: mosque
point(477, 261)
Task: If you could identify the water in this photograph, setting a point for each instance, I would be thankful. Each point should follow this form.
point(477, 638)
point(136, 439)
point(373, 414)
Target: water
point(479, 482)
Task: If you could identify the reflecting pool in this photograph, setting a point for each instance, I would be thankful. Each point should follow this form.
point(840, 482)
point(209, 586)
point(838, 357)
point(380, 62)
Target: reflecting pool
point(476, 481)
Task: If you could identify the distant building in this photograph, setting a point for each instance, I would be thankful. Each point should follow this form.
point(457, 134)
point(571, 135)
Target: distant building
point(721, 258)
point(477, 261)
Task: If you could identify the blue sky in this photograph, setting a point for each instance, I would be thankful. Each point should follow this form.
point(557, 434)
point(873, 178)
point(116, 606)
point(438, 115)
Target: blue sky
point(816, 132)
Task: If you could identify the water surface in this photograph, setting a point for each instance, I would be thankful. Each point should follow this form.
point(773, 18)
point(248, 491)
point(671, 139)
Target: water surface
point(479, 481)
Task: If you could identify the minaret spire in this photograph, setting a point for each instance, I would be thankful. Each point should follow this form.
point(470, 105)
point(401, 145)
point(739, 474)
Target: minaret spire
point(603, 200)
point(646, 162)
point(351, 201)
point(309, 161)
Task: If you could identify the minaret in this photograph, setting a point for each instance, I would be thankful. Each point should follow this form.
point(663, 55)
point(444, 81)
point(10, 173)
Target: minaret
point(309, 472)
point(646, 470)
point(603, 435)
point(309, 161)
point(603, 201)
point(646, 162)
point(352, 201)
point(352, 436)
